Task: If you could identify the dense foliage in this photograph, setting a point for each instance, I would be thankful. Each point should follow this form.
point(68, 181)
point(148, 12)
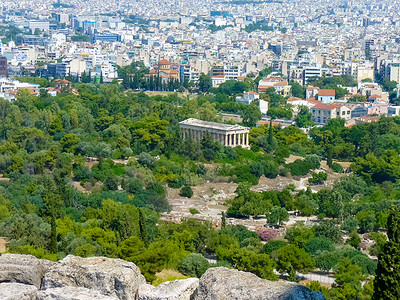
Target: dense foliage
point(88, 174)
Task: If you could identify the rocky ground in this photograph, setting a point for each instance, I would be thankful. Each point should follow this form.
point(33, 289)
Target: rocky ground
point(209, 198)
point(24, 277)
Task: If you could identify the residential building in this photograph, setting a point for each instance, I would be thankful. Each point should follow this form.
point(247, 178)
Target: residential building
point(105, 37)
point(57, 70)
point(41, 25)
point(249, 97)
point(393, 111)
point(3, 67)
point(326, 96)
point(323, 112)
point(217, 80)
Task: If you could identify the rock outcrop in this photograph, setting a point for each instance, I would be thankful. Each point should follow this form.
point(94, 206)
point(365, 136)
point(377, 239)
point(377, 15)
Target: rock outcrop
point(171, 290)
point(17, 291)
point(223, 284)
point(24, 277)
point(71, 293)
point(110, 277)
point(25, 269)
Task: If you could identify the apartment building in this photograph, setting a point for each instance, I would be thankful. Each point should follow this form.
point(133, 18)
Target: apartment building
point(323, 112)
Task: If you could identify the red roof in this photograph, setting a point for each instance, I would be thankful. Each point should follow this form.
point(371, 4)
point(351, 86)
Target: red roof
point(163, 62)
point(326, 93)
point(293, 99)
point(326, 106)
point(375, 96)
point(281, 83)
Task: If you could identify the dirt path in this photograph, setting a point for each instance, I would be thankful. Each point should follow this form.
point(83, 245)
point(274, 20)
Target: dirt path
point(3, 244)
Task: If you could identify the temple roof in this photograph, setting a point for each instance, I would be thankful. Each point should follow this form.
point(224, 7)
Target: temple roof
point(212, 125)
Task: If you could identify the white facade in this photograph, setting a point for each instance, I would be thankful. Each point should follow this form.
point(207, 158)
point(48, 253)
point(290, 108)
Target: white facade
point(227, 135)
point(249, 97)
point(41, 25)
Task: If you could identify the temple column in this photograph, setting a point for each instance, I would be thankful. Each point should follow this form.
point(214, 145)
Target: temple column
point(234, 140)
point(226, 140)
point(247, 139)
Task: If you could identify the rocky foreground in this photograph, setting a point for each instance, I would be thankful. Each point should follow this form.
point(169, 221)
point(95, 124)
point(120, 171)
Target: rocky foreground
point(24, 277)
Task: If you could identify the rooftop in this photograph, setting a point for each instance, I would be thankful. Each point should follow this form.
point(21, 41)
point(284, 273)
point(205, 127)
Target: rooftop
point(326, 106)
point(323, 92)
point(212, 125)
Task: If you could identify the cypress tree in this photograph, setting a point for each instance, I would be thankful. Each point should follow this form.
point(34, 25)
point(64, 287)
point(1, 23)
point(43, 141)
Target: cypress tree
point(329, 156)
point(223, 220)
point(270, 136)
point(387, 280)
point(142, 227)
point(53, 235)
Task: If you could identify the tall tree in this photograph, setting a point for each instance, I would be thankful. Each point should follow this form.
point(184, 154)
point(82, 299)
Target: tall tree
point(387, 280)
point(142, 227)
point(205, 82)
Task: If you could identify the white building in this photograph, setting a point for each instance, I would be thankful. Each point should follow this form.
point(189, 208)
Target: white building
point(326, 96)
point(227, 135)
point(249, 97)
point(41, 25)
point(393, 111)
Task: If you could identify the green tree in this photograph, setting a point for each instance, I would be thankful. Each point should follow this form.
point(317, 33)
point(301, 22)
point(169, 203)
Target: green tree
point(251, 114)
point(186, 191)
point(291, 257)
point(299, 234)
point(387, 279)
point(304, 117)
point(278, 215)
point(143, 227)
point(246, 260)
point(348, 280)
point(319, 244)
point(194, 265)
point(327, 260)
point(354, 240)
point(223, 219)
point(204, 82)
point(330, 230)
point(297, 90)
point(69, 142)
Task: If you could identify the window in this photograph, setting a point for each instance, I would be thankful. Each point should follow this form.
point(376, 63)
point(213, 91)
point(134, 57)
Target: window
point(348, 112)
point(343, 113)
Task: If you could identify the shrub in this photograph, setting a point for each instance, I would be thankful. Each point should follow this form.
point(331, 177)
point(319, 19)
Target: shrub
point(299, 167)
point(350, 224)
point(111, 183)
point(266, 234)
point(186, 191)
point(318, 178)
point(193, 211)
point(337, 168)
point(132, 185)
point(145, 159)
point(315, 160)
point(270, 169)
point(319, 244)
point(194, 265)
point(273, 246)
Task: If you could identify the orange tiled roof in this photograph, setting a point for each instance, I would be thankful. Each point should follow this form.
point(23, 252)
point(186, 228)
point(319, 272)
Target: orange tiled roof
point(326, 92)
